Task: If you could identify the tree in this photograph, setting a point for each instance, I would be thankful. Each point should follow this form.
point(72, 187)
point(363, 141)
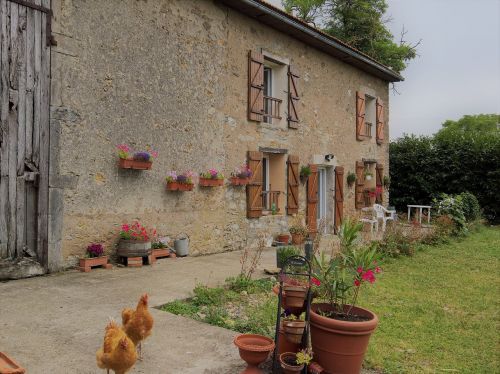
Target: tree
point(360, 23)
point(479, 124)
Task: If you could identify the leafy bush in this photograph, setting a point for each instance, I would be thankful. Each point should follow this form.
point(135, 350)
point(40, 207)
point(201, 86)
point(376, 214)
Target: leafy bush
point(400, 240)
point(453, 207)
point(442, 230)
point(204, 295)
point(470, 205)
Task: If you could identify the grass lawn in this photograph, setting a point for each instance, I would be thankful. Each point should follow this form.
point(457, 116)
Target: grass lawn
point(438, 310)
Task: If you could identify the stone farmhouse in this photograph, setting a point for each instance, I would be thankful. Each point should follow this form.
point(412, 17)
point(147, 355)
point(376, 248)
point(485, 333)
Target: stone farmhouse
point(207, 84)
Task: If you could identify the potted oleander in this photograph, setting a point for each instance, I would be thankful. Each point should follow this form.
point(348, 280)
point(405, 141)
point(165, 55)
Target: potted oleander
point(292, 363)
point(341, 330)
point(135, 240)
point(140, 160)
point(94, 256)
point(241, 176)
point(211, 178)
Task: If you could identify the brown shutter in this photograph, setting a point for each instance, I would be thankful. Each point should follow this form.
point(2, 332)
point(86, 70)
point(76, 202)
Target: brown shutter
point(254, 187)
point(339, 196)
point(292, 199)
point(360, 115)
point(379, 171)
point(293, 98)
point(360, 182)
point(312, 200)
point(255, 86)
point(380, 121)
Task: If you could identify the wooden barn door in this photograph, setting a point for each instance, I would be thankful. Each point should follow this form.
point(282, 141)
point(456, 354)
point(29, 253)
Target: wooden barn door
point(25, 39)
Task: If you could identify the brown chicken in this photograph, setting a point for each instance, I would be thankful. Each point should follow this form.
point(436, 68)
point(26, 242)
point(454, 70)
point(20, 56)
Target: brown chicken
point(138, 323)
point(118, 351)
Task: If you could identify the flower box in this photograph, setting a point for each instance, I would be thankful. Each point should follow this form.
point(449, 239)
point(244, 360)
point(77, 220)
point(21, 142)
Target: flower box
point(161, 252)
point(135, 164)
point(236, 181)
point(210, 182)
point(185, 186)
point(89, 262)
point(172, 186)
point(134, 248)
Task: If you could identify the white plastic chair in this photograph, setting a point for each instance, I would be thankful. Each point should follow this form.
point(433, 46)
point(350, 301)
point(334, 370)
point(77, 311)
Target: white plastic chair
point(383, 214)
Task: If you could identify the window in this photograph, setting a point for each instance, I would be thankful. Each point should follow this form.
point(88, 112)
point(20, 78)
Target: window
point(273, 183)
point(274, 80)
point(370, 115)
point(268, 93)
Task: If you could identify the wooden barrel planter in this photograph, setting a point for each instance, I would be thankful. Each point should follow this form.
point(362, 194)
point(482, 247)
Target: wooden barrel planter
point(134, 248)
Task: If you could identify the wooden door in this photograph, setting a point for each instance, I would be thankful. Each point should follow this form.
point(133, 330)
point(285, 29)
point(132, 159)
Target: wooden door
point(24, 128)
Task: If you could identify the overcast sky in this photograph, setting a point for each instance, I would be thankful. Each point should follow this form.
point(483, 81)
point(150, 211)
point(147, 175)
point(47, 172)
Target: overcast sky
point(458, 70)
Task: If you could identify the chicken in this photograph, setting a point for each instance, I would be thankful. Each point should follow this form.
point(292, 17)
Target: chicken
point(138, 323)
point(118, 351)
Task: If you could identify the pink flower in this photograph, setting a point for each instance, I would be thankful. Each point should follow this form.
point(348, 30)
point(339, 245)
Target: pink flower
point(368, 276)
point(357, 283)
point(154, 154)
point(359, 270)
point(378, 269)
point(125, 227)
point(315, 281)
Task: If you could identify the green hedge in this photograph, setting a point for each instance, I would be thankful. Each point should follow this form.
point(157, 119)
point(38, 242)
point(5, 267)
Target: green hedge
point(422, 167)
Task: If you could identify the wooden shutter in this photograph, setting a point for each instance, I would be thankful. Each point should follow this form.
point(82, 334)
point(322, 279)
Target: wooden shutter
point(312, 200)
point(360, 183)
point(360, 114)
point(379, 171)
point(255, 86)
point(254, 187)
point(339, 196)
point(380, 121)
point(292, 199)
point(293, 98)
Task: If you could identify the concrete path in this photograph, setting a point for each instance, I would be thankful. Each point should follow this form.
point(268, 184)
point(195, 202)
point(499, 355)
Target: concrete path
point(55, 324)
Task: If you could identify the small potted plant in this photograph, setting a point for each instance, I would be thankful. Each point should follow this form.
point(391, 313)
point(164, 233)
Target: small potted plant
point(241, 176)
point(283, 238)
point(293, 327)
point(211, 178)
point(94, 256)
point(142, 160)
point(171, 179)
point(159, 247)
point(368, 175)
point(351, 178)
point(305, 172)
point(293, 363)
point(135, 241)
point(284, 252)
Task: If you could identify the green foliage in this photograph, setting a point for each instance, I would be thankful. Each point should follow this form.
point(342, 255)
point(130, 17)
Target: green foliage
point(399, 240)
point(204, 295)
point(349, 234)
point(471, 124)
point(422, 167)
point(470, 206)
point(180, 307)
point(351, 178)
point(305, 171)
point(453, 207)
point(285, 252)
point(360, 23)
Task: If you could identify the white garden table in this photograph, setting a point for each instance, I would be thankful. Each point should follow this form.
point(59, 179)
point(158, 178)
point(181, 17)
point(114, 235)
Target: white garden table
point(419, 209)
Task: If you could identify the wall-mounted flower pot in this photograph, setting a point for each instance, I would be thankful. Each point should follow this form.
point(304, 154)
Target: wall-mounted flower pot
point(289, 365)
point(206, 182)
point(294, 330)
point(135, 164)
point(89, 262)
point(297, 238)
point(133, 248)
point(172, 186)
point(185, 186)
point(236, 181)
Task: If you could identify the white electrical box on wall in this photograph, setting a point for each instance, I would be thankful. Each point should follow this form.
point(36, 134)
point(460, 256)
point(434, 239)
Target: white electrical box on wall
point(325, 160)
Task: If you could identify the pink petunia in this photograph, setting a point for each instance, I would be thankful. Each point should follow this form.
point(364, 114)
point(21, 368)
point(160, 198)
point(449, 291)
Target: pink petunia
point(357, 283)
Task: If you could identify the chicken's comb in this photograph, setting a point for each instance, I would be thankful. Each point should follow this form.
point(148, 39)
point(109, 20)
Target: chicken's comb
point(144, 298)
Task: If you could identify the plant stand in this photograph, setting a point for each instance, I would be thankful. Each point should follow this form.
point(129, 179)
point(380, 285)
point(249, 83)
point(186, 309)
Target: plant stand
point(302, 262)
point(86, 264)
point(137, 262)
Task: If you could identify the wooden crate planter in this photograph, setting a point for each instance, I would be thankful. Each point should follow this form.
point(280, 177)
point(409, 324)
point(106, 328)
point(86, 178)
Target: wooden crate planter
point(135, 164)
point(87, 263)
point(206, 182)
point(235, 181)
point(160, 253)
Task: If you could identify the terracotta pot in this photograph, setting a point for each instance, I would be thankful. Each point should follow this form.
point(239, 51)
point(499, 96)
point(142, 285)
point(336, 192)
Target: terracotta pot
point(134, 164)
point(295, 295)
point(294, 330)
point(294, 310)
point(254, 350)
point(283, 238)
point(133, 248)
point(297, 238)
point(185, 186)
point(339, 346)
point(235, 181)
point(206, 182)
point(287, 367)
point(284, 345)
point(172, 186)
point(87, 263)
point(9, 366)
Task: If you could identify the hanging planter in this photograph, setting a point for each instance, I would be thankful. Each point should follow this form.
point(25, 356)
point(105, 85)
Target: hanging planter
point(181, 182)
point(294, 328)
point(351, 178)
point(305, 172)
point(138, 160)
point(211, 178)
point(241, 176)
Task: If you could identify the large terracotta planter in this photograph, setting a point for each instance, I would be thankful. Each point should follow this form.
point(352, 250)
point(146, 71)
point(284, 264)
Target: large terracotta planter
point(340, 346)
point(236, 181)
point(254, 350)
point(297, 238)
point(294, 330)
point(207, 182)
point(287, 366)
point(135, 164)
point(89, 262)
point(133, 248)
point(295, 295)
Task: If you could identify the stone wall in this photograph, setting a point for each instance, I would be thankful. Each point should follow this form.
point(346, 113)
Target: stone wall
point(172, 75)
